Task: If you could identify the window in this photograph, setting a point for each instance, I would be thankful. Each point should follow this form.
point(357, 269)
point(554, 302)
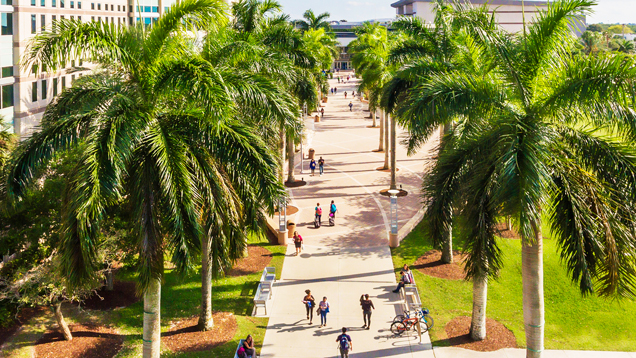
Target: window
point(44, 89)
point(92, 18)
point(146, 8)
point(34, 91)
point(33, 26)
point(63, 82)
point(79, 4)
point(130, 20)
point(72, 4)
point(165, 9)
point(99, 19)
point(32, 2)
point(54, 87)
point(130, 8)
point(99, 6)
point(6, 2)
point(118, 7)
point(112, 20)
point(7, 23)
point(61, 17)
point(7, 96)
point(112, 7)
point(7, 71)
point(72, 79)
point(53, 23)
point(53, 3)
point(42, 2)
point(43, 22)
point(155, 9)
point(72, 17)
point(62, 3)
point(79, 18)
point(92, 6)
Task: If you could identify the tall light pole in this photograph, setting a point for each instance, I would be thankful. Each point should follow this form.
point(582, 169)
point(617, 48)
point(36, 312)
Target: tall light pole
point(282, 222)
point(393, 233)
point(302, 153)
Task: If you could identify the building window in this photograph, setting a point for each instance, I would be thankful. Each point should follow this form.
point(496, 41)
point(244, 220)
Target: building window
point(34, 69)
point(112, 20)
point(63, 82)
point(7, 23)
point(54, 87)
point(79, 18)
point(99, 6)
point(42, 2)
point(53, 23)
point(33, 25)
point(62, 3)
point(79, 4)
point(99, 19)
point(146, 8)
point(32, 2)
point(44, 89)
point(53, 3)
point(92, 6)
point(72, 17)
point(118, 7)
point(72, 63)
point(34, 91)
point(6, 2)
point(81, 62)
point(155, 9)
point(130, 8)
point(92, 18)
point(72, 79)
point(7, 71)
point(112, 7)
point(62, 17)
point(43, 22)
point(7, 96)
point(72, 4)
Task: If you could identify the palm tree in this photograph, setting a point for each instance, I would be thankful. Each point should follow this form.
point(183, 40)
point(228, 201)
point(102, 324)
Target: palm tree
point(153, 118)
point(545, 139)
point(625, 46)
point(313, 22)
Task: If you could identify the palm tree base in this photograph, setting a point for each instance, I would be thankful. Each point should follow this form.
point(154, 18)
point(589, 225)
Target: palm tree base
point(402, 193)
point(295, 183)
point(386, 169)
point(378, 150)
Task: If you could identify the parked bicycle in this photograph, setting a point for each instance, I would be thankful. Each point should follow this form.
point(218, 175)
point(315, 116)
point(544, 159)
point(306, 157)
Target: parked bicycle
point(405, 322)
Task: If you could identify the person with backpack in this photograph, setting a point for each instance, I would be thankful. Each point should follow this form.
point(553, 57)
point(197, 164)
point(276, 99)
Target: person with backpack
point(247, 350)
point(312, 166)
point(333, 209)
point(318, 211)
point(298, 242)
point(323, 309)
point(367, 306)
point(407, 278)
point(344, 343)
point(310, 303)
point(350, 106)
point(321, 165)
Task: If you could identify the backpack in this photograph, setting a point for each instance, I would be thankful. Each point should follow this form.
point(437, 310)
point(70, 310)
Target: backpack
point(319, 211)
point(241, 352)
point(344, 342)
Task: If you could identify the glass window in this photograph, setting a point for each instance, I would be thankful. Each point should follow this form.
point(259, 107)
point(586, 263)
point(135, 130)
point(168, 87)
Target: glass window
point(54, 87)
point(130, 8)
point(72, 17)
point(7, 71)
point(165, 9)
point(112, 7)
point(72, 63)
point(62, 17)
point(7, 96)
point(34, 91)
point(6, 2)
point(42, 2)
point(44, 89)
point(155, 9)
point(79, 4)
point(79, 18)
point(146, 8)
point(32, 2)
point(99, 6)
point(130, 20)
point(112, 20)
point(63, 82)
point(53, 3)
point(42, 22)
point(7, 23)
point(92, 18)
point(118, 7)
point(99, 19)
point(81, 62)
point(92, 6)
point(33, 25)
point(72, 4)
point(62, 3)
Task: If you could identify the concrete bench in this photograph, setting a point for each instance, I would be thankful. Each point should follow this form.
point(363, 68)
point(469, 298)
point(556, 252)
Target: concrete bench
point(410, 297)
point(268, 277)
point(263, 294)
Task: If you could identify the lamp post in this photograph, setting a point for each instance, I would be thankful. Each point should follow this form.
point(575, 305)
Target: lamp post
point(393, 233)
point(282, 222)
point(302, 154)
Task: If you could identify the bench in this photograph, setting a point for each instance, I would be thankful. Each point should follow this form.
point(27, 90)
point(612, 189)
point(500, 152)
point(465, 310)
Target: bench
point(261, 297)
point(268, 276)
point(411, 297)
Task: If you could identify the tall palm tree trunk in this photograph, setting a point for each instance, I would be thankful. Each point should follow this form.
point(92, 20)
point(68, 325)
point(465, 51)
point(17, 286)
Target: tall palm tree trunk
point(205, 319)
point(152, 320)
point(447, 246)
point(480, 297)
point(290, 159)
point(393, 154)
point(59, 318)
point(281, 151)
point(381, 114)
point(386, 140)
point(533, 305)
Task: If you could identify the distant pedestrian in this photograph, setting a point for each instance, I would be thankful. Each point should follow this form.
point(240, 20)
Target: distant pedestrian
point(350, 106)
point(321, 165)
point(322, 112)
point(312, 166)
point(332, 90)
point(323, 309)
point(406, 278)
point(333, 209)
point(298, 242)
point(318, 211)
point(344, 343)
point(367, 306)
point(310, 303)
point(345, 94)
point(353, 94)
point(335, 89)
point(338, 79)
point(348, 78)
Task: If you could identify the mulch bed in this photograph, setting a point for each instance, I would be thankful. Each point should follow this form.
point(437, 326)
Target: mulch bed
point(124, 294)
point(184, 336)
point(430, 264)
point(295, 183)
point(24, 316)
point(88, 341)
point(497, 335)
point(257, 259)
point(402, 193)
point(506, 233)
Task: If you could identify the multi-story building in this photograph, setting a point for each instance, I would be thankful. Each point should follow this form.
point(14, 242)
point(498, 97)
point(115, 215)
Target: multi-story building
point(25, 91)
point(509, 13)
point(345, 33)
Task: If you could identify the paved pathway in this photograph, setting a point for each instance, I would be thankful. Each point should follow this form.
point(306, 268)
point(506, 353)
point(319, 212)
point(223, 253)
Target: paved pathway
point(351, 258)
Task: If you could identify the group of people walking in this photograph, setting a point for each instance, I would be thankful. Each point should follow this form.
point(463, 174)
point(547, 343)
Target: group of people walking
point(321, 166)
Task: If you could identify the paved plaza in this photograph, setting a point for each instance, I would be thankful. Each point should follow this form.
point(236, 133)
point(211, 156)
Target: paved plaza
point(353, 258)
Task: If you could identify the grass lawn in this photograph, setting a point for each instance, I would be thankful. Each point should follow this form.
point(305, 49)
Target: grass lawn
point(181, 298)
point(573, 322)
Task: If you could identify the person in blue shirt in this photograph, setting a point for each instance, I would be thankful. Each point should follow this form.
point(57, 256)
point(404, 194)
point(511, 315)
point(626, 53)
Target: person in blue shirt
point(344, 343)
point(312, 166)
point(333, 209)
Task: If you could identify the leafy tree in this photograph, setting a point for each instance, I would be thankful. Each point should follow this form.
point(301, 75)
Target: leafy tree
point(625, 46)
point(313, 22)
point(592, 42)
point(546, 139)
point(595, 28)
point(620, 29)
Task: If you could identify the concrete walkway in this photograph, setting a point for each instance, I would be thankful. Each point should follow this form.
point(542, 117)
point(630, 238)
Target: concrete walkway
point(351, 258)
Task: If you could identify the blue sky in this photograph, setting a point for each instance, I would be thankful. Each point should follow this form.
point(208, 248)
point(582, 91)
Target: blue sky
point(607, 11)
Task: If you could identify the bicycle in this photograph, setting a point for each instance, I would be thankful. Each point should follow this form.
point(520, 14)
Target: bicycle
point(399, 327)
point(426, 321)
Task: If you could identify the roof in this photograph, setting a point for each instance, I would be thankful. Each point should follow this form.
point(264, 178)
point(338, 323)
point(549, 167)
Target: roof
point(490, 2)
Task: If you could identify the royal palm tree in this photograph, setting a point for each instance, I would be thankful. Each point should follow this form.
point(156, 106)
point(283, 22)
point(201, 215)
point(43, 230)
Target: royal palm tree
point(313, 22)
point(545, 139)
point(154, 127)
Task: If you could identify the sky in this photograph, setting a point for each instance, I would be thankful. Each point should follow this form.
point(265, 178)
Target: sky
point(607, 11)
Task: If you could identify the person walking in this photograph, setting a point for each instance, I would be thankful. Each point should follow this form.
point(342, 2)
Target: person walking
point(310, 303)
point(345, 94)
point(298, 242)
point(367, 306)
point(323, 309)
point(407, 278)
point(318, 212)
point(312, 166)
point(322, 112)
point(344, 343)
point(331, 90)
point(338, 79)
point(353, 94)
point(350, 106)
point(321, 165)
point(335, 89)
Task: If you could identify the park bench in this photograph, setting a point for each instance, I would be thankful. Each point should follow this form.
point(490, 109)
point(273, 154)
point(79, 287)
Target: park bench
point(264, 290)
point(410, 297)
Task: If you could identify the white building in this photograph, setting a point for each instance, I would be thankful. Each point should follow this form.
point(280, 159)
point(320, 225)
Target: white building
point(509, 13)
point(25, 95)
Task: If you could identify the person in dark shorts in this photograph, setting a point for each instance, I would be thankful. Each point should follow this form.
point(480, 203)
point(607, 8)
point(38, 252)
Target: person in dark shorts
point(298, 242)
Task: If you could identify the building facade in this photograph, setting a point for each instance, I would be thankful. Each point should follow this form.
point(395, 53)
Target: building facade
point(509, 13)
point(25, 91)
point(345, 34)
